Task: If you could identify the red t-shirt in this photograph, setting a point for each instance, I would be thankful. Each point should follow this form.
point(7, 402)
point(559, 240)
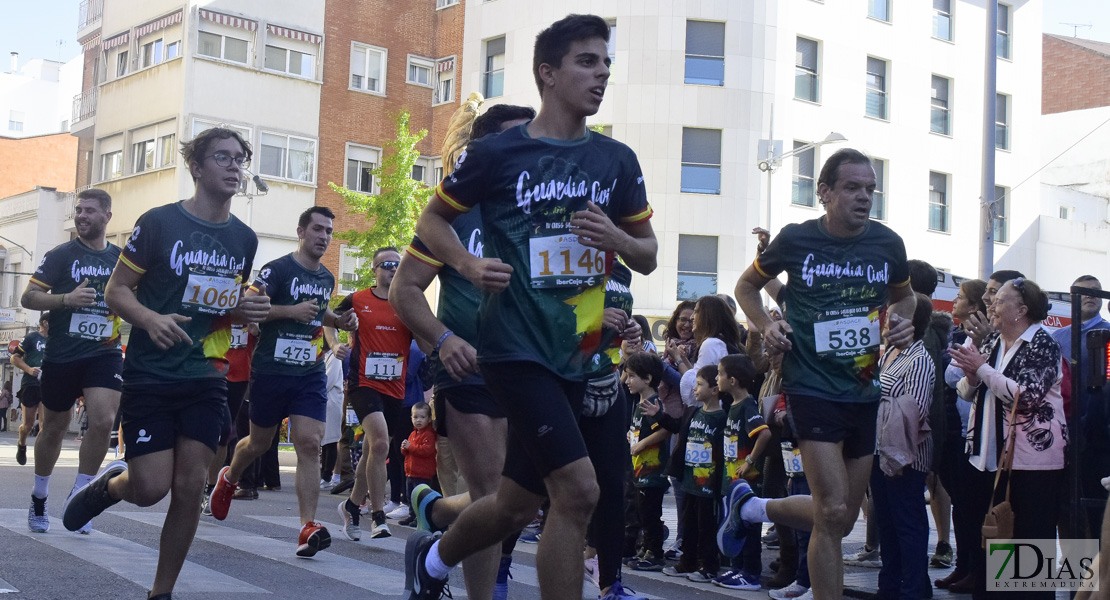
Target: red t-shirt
point(380, 350)
point(239, 354)
point(420, 456)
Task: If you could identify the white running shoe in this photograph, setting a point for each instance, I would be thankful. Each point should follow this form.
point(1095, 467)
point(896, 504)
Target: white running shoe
point(38, 520)
point(591, 569)
point(400, 513)
point(390, 506)
point(794, 590)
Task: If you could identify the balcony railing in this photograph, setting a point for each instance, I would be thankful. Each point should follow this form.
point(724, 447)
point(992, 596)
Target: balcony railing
point(89, 12)
point(84, 106)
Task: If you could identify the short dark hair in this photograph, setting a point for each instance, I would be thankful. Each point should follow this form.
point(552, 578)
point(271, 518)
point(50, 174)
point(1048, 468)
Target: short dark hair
point(1005, 275)
point(845, 156)
point(422, 406)
point(306, 216)
point(496, 116)
point(742, 369)
point(646, 366)
point(672, 324)
point(104, 198)
point(709, 374)
point(1033, 297)
point(553, 43)
point(44, 317)
point(921, 315)
point(196, 148)
point(923, 277)
point(374, 259)
point(1083, 278)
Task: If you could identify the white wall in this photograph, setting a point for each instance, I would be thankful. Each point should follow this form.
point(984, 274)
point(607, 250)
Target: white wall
point(43, 91)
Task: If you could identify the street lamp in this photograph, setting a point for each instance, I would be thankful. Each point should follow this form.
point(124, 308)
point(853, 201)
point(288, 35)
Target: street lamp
point(773, 160)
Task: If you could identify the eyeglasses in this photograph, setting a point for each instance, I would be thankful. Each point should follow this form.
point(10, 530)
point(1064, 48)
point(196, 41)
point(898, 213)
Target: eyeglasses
point(224, 160)
point(389, 265)
point(682, 320)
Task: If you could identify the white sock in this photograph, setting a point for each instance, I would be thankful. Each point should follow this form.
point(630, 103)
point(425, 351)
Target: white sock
point(754, 510)
point(433, 564)
point(42, 486)
point(82, 480)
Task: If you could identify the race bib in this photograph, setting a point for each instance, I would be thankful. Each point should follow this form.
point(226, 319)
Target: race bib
point(238, 336)
point(90, 326)
point(560, 261)
point(792, 459)
point(633, 437)
point(730, 448)
point(847, 336)
point(699, 453)
point(210, 291)
point(294, 352)
point(384, 367)
point(352, 417)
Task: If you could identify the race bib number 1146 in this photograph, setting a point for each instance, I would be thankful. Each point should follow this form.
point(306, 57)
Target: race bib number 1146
point(560, 261)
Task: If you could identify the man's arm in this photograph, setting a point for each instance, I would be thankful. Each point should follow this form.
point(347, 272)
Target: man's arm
point(120, 295)
point(901, 305)
point(37, 297)
point(634, 242)
point(434, 229)
point(20, 364)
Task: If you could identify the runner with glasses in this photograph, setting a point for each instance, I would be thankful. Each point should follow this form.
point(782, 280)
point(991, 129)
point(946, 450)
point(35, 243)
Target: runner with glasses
point(376, 390)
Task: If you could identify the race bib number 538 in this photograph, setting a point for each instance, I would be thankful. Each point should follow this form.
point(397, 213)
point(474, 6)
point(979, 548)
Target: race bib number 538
point(848, 336)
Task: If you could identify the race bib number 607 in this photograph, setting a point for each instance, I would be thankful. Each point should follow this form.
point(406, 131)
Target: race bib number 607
point(90, 326)
point(847, 336)
point(210, 291)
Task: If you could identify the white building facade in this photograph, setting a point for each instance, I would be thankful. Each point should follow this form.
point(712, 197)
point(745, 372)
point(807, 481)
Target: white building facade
point(36, 99)
point(694, 86)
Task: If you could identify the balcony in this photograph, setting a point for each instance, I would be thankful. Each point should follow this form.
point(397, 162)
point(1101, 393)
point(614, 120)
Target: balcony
point(88, 16)
point(84, 111)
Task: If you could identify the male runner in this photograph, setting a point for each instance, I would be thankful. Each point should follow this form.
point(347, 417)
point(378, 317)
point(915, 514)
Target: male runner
point(462, 400)
point(179, 282)
point(288, 373)
point(375, 390)
point(83, 357)
point(845, 273)
point(28, 358)
point(557, 202)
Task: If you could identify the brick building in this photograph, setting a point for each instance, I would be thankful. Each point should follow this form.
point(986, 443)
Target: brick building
point(43, 160)
point(1075, 74)
point(382, 58)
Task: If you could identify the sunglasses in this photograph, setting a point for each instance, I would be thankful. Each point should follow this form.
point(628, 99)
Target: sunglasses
point(389, 265)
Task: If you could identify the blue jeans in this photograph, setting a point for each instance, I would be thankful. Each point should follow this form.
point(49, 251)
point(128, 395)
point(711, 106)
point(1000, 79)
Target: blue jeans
point(903, 533)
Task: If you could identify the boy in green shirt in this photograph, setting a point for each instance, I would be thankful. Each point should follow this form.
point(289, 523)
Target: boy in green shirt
point(650, 444)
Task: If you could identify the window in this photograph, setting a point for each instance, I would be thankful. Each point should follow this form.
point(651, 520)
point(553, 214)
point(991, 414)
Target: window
point(940, 114)
point(200, 125)
point(878, 199)
point(611, 45)
point(1002, 122)
point(15, 120)
point(152, 53)
point(288, 157)
point(879, 9)
point(701, 161)
point(368, 68)
point(168, 149)
point(493, 75)
point(348, 269)
point(290, 61)
point(705, 53)
point(142, 155)
point(942, 19)
point(999, 214)
point(806, 82)
point(445, 3)
point(418, 172)
point(876, 104)
point(361, 162)
point(153, 146)
point(697, 266)
point(804, 191)
point(445, 81)
point(111, 165)
point(938, 201)
point(1066, 212)
point(419, 71)
point(223, 46)
point(173, 50)
point(1002, 39)
point(121, 63)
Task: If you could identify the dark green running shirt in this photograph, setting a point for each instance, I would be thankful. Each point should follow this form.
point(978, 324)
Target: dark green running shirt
point(836, 296)
point(82, 332)
point(192, 268)
point(288, 347)
point(32, 349)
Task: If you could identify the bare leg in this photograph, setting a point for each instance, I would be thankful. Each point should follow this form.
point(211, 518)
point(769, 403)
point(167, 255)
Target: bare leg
point(489, 520)
point(249, 448)
point(49, 443)
point(307, 435)
point(217, 464)
point(101, 405)
point(189, 470)
point(370, 471)
point(941, 506)
point(28, 423)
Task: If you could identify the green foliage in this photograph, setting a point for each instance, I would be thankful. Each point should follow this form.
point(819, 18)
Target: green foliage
point(392, 213)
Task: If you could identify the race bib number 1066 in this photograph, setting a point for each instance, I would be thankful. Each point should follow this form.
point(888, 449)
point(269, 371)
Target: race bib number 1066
point(210, 291)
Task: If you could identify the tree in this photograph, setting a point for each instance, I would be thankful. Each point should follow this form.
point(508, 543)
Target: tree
point(392, 213)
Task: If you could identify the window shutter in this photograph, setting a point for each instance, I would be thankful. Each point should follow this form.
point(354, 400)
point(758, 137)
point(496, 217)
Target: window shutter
point(806, 56)
point(701, 146)
point(705, 38)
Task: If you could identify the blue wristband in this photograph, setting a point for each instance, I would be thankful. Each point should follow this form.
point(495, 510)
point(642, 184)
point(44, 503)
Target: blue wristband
point(446, 334)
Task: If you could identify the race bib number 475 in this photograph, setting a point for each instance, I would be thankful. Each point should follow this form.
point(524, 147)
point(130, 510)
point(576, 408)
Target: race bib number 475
point(847, 336)
point(560, 261)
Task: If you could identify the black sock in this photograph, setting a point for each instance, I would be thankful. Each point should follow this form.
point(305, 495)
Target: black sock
point(353, 510)
point(378, 516)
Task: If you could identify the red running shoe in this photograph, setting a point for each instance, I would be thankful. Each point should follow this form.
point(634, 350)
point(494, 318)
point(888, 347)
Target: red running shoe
point(314, 538)
point(220, 500)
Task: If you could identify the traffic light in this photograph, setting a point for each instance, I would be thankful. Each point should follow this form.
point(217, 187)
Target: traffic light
point(1098, 352)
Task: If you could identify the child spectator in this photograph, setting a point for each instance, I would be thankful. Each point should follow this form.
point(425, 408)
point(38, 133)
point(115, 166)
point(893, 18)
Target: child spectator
point(650, 445)
point(700, 472)
point(420, 452)
point(746, 438)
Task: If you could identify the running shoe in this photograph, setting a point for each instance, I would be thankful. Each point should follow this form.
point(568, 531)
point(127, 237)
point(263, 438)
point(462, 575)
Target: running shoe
point(617, 591)
point(350, 521)
point(93, 498)
point(219, 502)
point(501, 587)
point(794, 590)
point(628, 561)
point(649, 563)
point(675, 551)
point(678, 570)
point(398, 514)
point(205, 509)
point(418, 582)
point(85, 529)
point(38, 520)
point(423, 497)
point(390, 506)
point(380, 529)
point(21, 454)
point(314, 538)
point(700, 576)
point(591, 570)
point(730, 535)
point(735, 580)
point(864, 557)
point(942, 558)
point(530, 536)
